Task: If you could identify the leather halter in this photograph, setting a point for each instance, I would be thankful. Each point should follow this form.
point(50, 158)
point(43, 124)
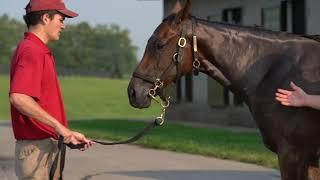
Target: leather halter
point(176, 60)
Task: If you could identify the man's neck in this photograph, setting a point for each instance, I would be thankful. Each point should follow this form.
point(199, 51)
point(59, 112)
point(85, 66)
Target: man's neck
point(38, 31)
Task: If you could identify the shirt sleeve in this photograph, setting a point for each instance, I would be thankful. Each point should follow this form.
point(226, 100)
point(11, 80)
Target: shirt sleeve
point(27, 74)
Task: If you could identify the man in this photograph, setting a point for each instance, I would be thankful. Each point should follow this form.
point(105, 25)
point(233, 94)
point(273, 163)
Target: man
point(297, 97)
point(37, 109)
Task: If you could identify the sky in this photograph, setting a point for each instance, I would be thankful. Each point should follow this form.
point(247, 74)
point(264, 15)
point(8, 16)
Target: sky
point(140, 17)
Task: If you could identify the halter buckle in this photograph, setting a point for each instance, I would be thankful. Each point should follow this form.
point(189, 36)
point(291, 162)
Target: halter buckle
point(182, 42)
point(175, 57)
point(195, 44)
point(159, 121)
point(196, 64)
point(152, 92)
point(158, 83)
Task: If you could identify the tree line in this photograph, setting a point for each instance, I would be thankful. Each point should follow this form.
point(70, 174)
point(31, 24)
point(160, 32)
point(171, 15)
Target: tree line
point(82, 49)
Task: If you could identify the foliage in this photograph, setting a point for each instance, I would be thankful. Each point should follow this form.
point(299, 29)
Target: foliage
point(102, 48)
point(10, 33)
point(82, 48)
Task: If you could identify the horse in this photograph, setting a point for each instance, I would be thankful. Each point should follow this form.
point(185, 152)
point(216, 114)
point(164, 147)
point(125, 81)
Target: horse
point(252, 63)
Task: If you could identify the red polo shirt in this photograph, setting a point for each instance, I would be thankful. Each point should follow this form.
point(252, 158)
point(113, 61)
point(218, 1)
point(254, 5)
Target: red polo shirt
point(33, 73)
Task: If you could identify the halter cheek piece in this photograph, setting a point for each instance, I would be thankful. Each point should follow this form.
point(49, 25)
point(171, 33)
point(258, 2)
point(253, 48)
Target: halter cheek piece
point(176, 60)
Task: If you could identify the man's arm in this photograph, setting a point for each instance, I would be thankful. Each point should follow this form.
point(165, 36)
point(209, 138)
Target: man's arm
point(29, 107)
point(313, 101)
point(297, 97)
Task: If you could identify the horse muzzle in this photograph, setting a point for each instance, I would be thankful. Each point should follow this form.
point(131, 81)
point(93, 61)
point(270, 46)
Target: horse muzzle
point(138, 96)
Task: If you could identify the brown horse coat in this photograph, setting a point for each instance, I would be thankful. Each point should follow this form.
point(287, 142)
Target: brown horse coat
point(253, 63)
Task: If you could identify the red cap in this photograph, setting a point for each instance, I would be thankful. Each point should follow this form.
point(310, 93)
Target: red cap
point(39, 5)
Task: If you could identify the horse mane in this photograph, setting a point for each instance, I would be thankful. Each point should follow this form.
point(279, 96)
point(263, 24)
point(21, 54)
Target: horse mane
point(255, 28)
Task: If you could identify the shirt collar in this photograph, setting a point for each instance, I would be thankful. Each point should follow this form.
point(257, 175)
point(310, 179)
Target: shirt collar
point(32, 37)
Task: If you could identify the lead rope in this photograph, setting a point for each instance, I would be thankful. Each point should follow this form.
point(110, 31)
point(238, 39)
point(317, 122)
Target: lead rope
point(157, 122)
point(62, 154)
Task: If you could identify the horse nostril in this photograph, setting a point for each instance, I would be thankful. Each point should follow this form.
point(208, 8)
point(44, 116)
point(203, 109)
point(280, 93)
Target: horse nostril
point(132, 92)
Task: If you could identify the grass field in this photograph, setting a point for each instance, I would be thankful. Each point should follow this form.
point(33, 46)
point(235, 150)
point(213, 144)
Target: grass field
point(99, 108)
point(224, 144)
point(87, 98)
point(4, 101)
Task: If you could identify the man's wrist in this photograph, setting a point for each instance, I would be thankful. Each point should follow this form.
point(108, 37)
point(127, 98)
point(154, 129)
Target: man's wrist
point(307, 100)
point(58, 129)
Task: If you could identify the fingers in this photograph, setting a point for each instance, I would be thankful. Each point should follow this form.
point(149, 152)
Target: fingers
point(71, 139)
point(81, 138)
point(285, 92)
point(285, 103)
point(67, 139)
point(281, 99)
point(87, 146)
point(78, 138)
point(293, 86)
point(280, 95)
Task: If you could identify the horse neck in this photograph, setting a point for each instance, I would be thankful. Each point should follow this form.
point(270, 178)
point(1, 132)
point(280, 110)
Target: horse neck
point(232, 51)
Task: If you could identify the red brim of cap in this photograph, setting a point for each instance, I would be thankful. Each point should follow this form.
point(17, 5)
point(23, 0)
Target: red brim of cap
point(68, 13)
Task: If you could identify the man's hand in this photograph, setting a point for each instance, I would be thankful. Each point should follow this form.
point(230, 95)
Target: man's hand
point(78, 138)
point(72, 137)
point(297, 97)
point(29, 107)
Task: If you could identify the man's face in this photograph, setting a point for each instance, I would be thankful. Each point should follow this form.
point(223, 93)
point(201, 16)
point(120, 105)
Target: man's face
point(54, 27)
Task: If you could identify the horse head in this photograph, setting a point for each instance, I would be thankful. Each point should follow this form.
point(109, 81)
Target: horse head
point(155, 71)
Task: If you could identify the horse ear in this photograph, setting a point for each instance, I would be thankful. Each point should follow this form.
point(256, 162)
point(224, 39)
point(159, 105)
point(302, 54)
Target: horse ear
point(184, 13)
point(177, 7)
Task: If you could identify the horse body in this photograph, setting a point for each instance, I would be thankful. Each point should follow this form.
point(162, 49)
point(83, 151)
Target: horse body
point(256, 63)
point(252, 63)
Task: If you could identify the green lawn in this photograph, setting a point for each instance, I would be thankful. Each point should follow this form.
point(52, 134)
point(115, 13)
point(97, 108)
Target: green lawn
point(100, 98)
point(4, 100)
point(224, 144)
point(87, 98)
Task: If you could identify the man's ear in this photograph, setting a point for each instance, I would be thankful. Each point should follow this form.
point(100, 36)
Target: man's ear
point(45, 18)
point(184, 13)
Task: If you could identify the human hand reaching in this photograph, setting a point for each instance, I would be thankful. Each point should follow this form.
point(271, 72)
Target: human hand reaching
point(297, 97)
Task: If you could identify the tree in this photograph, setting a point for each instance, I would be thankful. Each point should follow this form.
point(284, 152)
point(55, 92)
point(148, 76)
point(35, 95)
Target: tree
point(82, 48)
